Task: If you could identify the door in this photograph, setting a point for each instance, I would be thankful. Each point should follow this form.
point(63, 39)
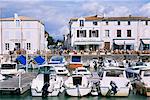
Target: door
point(107, 45)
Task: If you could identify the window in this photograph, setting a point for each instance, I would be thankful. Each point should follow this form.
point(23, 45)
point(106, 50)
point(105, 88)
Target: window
point(17, 23)
point(106, 33)
point(106, 22)
point(28, 46)
point(6, 46)
point(129, 23)
point(95, 23)
point(146, 22)
point(81, 22)
point(93, 33)
point(128, 33)
point(81, 33)
point(118, 33)
point(118, 22)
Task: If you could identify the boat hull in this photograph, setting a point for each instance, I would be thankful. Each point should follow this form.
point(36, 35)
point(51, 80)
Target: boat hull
point(75, 65)
point(78, 92)
point(123, 91)
point(39, 94)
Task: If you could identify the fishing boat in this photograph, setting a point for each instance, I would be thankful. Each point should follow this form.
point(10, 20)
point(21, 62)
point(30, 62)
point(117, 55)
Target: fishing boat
point(82, 71)
point(142, 84)
point(78, 85)
point(47, 83)
point(114, 82)
point(58, 61)
point(61, 70)
point(75, 61)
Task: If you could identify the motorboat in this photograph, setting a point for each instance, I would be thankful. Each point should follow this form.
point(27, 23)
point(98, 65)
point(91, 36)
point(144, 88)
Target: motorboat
point(10, 68)
point(47, 83)
point(114, 82)
point(75, 61)
point(82, 71)
point(142, 83)
point(133, 71)
point(78, 85)
point(2, 77)
point(58, 61)
point(61, 70)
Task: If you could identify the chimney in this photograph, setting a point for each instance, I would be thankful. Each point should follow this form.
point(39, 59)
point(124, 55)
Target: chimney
point(15, 15)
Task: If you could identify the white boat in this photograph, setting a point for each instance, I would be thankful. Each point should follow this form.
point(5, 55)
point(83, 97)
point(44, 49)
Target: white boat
point(114, 82)
point(10, 68)
point(47, 83)
point(2, 77)
point(58, 61)
point(61, 70)
point(142, 84)
point(82, 71)
point(77, 85)
point(133, 71)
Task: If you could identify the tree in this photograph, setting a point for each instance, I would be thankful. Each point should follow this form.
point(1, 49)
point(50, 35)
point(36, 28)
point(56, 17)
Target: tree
point(50, 40)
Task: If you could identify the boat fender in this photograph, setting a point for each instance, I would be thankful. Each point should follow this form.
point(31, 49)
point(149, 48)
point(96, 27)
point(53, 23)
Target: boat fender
point(114, 87)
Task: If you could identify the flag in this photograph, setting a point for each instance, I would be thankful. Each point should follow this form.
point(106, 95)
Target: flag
point(39, 60)
point(21, 59)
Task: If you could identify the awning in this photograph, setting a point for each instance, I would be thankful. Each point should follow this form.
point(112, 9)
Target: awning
point(124, 42)
point(39, 60)
point(146, 41)
point(87, 43)
point(21, 59)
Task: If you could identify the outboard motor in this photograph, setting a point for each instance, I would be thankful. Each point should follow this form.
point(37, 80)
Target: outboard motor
point(113, 87)
point(46, 85)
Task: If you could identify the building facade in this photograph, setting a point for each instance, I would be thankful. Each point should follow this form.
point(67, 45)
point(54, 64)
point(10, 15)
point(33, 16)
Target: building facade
point(122, 33)
point(21, 32)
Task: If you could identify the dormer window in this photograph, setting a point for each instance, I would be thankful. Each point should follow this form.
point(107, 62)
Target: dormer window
point(81, 22)
point(95, 23)
point(106, 22)
point(17, 23)
point(129, 23)
point(146, 22)
point(118, 22)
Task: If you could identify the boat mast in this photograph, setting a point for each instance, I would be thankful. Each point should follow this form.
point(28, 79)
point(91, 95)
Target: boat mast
point(1, 33)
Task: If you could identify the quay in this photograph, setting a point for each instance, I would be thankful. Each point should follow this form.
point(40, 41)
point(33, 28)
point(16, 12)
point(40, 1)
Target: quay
point(17, 84)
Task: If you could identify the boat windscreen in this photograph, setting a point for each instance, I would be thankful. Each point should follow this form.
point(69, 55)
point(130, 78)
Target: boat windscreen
point(76, 58)
point(147, 73)
point(114, 73)
point(57, 58)
point(8, 66)
point(77, 80)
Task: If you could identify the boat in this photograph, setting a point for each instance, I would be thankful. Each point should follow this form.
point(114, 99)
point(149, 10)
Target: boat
point(77, 85)
point(75, 62)
point(2, 77)
point(133, 71)
point(47, 83)
point(82, 71)
point(58, 61)
point(142, 83)
point(61, 70)
point(114, 82)
point(10, 68)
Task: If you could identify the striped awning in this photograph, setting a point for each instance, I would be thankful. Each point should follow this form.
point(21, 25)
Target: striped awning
point(146, 41)
point(124, 42)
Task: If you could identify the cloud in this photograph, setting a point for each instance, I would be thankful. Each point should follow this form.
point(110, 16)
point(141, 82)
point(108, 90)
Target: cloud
point(145, 9)
point(56, 13)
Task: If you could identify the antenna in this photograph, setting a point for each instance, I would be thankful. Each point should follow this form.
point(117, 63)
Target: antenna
point(1, 32)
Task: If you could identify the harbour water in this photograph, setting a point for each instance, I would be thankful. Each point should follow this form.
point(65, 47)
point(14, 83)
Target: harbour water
point(27, 96)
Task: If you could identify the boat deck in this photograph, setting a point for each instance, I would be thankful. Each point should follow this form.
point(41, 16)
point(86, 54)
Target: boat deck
point(17, 84)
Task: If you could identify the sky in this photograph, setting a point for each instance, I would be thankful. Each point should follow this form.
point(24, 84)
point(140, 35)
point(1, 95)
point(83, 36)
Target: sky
point(56, 13)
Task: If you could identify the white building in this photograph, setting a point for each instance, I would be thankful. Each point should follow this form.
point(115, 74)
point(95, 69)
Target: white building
point(21, 32)
point(95, 32)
